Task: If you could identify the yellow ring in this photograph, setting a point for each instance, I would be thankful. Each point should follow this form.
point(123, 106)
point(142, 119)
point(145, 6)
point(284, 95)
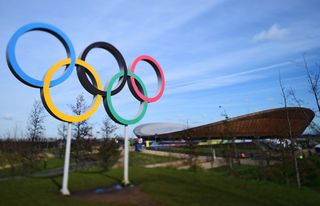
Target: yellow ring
point(47, 98)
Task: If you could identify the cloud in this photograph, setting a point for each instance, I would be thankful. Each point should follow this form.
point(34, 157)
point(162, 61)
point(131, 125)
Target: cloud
point(8, 117)
point(211, 83)
point(224, 80)
point(275, 32)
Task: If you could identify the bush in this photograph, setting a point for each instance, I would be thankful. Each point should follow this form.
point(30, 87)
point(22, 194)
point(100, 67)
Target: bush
point(108, 153)
point(310, 171)
point(309, 168)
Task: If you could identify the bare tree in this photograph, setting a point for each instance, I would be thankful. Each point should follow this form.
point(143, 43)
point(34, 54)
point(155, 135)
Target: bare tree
point(63, 131)
point(292, 95)
point(35, 131)
point(81, 130)
point(36, 128)
point(313, 80)
point(293, 152)
point(108, 128)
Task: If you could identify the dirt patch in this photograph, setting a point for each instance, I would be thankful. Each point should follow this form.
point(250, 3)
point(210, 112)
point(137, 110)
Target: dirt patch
point(128, 195)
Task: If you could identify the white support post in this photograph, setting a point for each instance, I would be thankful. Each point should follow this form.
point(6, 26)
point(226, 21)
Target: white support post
point(64, 190)
point(126, 158)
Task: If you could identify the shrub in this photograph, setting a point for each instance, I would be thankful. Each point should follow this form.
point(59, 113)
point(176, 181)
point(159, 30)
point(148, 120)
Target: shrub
point(108, 153)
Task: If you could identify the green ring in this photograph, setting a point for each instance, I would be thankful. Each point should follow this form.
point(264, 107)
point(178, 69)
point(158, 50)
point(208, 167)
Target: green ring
point(110, 109)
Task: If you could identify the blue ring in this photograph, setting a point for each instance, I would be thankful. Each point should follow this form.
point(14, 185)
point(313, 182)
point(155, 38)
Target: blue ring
point(18, 71)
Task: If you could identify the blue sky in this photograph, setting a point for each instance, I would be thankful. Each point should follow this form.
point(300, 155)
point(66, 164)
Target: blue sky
point(213, 53)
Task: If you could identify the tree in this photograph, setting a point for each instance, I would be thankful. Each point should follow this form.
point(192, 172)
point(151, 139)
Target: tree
point(293, 152)
point(36, 128)
point(108, 128)
point(81, 130)
point(109, 149)
point(314, 127)
point(63, 131)
point(109, 153)
point(35, 131)
point(313, 80)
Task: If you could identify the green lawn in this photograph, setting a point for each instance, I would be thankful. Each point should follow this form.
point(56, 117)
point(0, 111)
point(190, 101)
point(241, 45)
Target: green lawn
point(20, 171)
point(138, 159)
point(56, 163)
point(168, 186)
point(309, 169)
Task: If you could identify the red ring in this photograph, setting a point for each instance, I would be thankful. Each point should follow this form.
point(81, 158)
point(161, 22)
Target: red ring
point(156, 66)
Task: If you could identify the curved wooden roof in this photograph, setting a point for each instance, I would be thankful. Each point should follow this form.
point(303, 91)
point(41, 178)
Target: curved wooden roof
point(267, 123)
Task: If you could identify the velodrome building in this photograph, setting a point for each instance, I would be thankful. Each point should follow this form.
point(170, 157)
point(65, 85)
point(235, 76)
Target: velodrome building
point(273, 123)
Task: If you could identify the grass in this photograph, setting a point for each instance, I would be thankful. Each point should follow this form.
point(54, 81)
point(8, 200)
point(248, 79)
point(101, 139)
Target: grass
point(138, 159)
point(210, 188)
point(168, 186)
point(20, 171)
point(207, 149)
point(55, 163)
point(3, 161)
point(309, 169)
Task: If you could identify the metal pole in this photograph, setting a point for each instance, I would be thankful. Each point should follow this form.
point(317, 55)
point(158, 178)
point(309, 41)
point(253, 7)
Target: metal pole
point(126, 157)
point(64, 190)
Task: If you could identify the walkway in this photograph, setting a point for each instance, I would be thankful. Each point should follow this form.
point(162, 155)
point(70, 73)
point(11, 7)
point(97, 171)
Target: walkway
point(205, 162)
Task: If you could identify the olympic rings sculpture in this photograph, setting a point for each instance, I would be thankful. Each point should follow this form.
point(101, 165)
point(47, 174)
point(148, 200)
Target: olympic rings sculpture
point(87, 76)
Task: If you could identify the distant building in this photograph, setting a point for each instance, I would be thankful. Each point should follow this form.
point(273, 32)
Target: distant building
point(273, 123)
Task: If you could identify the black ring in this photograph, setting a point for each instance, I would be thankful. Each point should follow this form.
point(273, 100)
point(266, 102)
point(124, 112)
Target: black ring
point(82, 73)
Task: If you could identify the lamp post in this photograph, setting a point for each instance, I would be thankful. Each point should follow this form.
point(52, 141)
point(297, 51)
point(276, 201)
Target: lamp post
point(226, 129)
point(224, 113)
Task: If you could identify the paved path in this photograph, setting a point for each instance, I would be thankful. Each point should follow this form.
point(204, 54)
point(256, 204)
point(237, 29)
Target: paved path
point(205, 162)
point(54, 171)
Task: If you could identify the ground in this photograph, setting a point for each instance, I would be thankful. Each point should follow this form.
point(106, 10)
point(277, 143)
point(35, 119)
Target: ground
point(158, 186)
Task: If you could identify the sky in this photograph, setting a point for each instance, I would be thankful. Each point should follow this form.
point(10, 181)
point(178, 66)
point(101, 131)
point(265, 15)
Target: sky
point(213, 53)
